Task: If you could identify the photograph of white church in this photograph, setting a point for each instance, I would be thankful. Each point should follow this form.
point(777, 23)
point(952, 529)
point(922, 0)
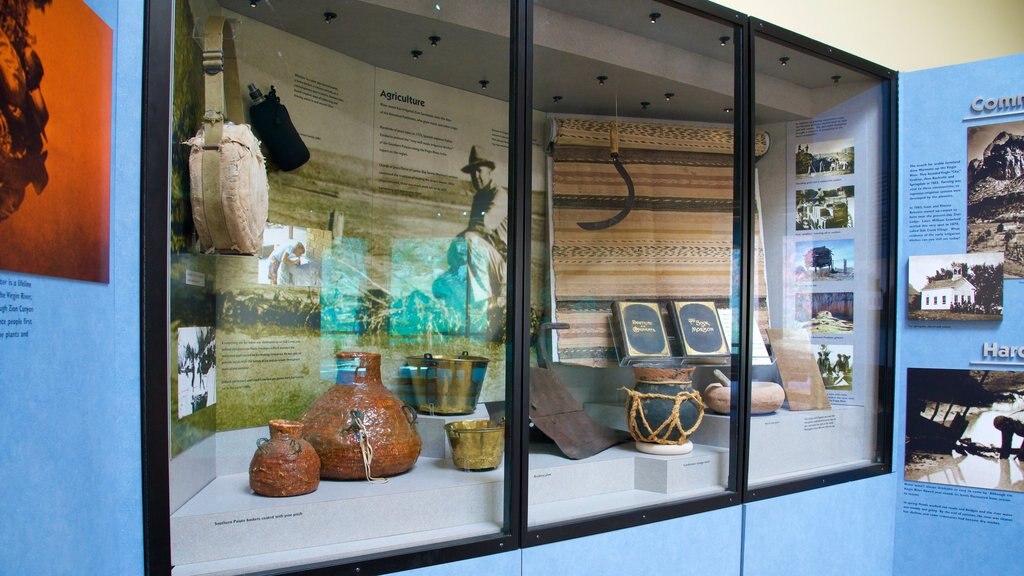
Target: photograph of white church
point(956, 287)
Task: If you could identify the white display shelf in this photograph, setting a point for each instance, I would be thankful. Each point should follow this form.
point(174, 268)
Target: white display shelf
point(224, 527)
point(790, 445)
point(226, 520)
point(619, 478)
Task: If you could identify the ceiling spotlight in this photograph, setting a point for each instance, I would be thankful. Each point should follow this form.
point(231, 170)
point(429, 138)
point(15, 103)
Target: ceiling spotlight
point(601, 79)
point(835, 79)
point(416, 54)
point(784, 60)
point(644, 105)
point(723, 40)
point(329, 17)
point(483, 84)
point(437, 7)
point(434, 40)
point(669, 95)
point(253, 3)
point(727, 110)
point(556, 99)
point(654, 17)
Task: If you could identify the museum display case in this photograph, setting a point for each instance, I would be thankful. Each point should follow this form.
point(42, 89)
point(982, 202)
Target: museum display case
point(824, 202)
point(340, 273)
point(641, 201)
point(433, 280)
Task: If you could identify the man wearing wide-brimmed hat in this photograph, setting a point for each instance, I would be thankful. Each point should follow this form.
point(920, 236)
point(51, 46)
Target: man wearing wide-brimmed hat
point(482, 245)
point(489, 214)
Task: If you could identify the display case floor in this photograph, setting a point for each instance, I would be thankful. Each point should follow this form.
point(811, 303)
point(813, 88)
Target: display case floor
point(273, 561)
point(226, 520)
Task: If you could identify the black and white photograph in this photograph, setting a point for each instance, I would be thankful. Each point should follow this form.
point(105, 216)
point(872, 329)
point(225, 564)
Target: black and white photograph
point(835, 363)
point(965, 428)
point(995, 192)
point(828, 158)
point(823, 260)
point(824, 208)
point(956, 287)
point(292, 255)
point(825, 312)
point(197, 369)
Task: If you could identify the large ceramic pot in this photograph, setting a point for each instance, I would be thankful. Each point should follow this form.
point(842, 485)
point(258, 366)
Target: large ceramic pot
point(663, 410)
point(284, 464)
point(360, 429)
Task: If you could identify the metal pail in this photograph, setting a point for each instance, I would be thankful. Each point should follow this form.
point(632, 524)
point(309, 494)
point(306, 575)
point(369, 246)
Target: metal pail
point(446, 385)
point(476, 444)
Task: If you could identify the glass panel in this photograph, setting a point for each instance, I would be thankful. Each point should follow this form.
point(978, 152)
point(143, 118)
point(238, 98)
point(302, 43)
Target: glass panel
point(362, 296)
point(634, 204)
point(822, 206)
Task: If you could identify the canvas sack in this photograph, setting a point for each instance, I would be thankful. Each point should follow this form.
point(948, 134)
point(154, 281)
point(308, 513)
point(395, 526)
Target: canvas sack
point(227, 171)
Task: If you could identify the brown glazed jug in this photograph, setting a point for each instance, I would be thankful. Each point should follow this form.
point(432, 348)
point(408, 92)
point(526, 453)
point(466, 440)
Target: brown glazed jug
point(284, 465)
point(360, 429)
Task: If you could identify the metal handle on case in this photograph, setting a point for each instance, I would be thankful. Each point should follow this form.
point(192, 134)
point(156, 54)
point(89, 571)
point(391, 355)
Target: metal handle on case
point(542, 342)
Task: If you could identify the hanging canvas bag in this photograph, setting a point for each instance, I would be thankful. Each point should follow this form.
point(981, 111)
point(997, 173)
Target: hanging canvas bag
point(228, 173)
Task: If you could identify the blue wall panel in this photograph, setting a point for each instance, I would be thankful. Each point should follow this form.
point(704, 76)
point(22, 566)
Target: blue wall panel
point(840, 530)
point(935, 111)
point(507, 564)
point(70, 440)
point(707, 544)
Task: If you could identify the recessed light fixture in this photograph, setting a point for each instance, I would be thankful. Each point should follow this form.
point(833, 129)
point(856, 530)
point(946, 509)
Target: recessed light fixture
point(416, 54)
point(253, 3)
point(601, 79)
point(784, 60)
point(654, 16)
point(329, 17)
point(483, 84)
point(645, 104)
point(669, 95)
point(434, 40)
point(556, 99)
point(727, 110)
point(723, 40)
point(835, 79)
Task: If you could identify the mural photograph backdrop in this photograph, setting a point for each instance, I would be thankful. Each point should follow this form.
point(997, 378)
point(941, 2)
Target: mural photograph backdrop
point(55, 97)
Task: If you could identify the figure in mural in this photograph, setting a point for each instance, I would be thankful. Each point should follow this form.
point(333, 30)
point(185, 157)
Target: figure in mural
point(478, 254)
point(23, 113)
point(282, 259)
point(1010, 425)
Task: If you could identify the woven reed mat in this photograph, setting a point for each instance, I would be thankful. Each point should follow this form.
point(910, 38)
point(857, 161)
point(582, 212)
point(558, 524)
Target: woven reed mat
point(676, 243)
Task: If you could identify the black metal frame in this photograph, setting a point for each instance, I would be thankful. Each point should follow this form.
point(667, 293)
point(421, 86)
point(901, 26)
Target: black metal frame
point(154, 253)
point(156, 90)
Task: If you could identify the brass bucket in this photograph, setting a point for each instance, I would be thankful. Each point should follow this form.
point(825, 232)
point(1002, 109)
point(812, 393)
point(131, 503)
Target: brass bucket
point(477, 445)
point(446, 385)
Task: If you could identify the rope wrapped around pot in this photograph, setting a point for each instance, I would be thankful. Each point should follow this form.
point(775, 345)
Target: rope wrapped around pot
point(670, 429)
